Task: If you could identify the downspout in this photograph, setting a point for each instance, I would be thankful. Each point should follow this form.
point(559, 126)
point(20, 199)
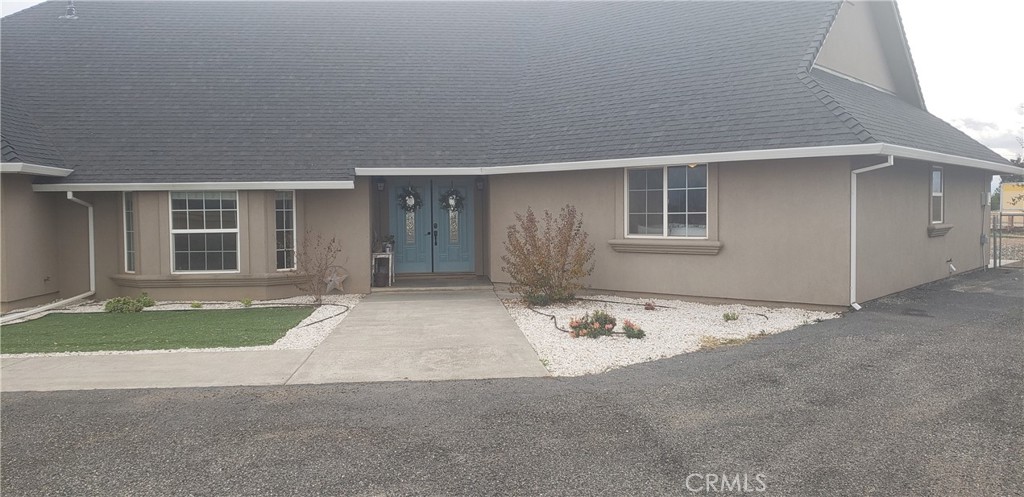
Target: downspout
point(92, 271)
point(853, 227)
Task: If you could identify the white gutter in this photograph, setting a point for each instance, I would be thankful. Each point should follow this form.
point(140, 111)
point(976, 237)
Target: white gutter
point(92, 272)
point(853, 226)
point(665, 160)
point(209, 185)
point(34, 169)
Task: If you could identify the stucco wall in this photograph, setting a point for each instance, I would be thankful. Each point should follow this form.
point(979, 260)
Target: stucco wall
point(783, 225)
point(346, 215)
point(30, 272)
point(853, 47)
point(894, 251)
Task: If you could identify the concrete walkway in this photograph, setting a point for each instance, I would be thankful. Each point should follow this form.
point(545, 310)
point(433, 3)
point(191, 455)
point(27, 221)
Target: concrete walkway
point(407, 336)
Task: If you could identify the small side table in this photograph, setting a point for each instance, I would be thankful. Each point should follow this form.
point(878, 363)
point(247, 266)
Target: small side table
point(391, 264)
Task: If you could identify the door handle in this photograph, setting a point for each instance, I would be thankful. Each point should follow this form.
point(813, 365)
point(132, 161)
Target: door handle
point(435, 234)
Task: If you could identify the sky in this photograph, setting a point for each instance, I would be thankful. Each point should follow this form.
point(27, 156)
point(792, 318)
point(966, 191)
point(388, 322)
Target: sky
point(969, 56)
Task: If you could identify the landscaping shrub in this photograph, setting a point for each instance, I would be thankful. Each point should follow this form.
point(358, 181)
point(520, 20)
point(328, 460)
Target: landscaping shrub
point(196, 304)
point(123, 305)
point(317, 264)
point(246, 302)
point(632, 330)
point(547, 264)
point(649, 306)
point(730, 316)
point(594, 325)
point(146, 300)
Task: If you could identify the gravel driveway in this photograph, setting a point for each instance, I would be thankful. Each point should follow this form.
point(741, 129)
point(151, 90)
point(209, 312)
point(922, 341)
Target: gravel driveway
point(918, 394)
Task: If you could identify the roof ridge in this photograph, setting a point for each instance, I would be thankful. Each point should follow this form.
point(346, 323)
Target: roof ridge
point(803, 74)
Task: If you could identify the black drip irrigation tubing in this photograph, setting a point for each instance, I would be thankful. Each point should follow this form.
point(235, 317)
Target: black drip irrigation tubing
point(276, 304)
point(559, 328)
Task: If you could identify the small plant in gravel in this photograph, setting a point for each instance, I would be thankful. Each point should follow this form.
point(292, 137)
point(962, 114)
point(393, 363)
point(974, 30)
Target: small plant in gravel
point(730, 316)
point(632, 330)
point(649, 306)
point(146, 300)
point(547, 263)
point(594, 325)
point(196, 304)
point(246, 302)
point(123, 305)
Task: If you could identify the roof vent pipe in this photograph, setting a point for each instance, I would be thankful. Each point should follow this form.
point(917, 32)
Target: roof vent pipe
point(70, 12)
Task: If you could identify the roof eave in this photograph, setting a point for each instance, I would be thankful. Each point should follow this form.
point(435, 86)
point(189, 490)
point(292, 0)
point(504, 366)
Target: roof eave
point(195, 186)
point(34, 169)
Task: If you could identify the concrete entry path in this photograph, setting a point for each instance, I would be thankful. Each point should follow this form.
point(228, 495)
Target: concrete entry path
point(436, 335)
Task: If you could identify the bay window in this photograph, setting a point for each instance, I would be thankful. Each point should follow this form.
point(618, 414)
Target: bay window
point(668, 201)
point(204, 231)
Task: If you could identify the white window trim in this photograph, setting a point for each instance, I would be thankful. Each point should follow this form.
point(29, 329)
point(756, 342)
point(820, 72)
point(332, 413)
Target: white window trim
point(295, 233)
point(236, 231)
point(124, 231)
point(664, 204)
point(941, 194)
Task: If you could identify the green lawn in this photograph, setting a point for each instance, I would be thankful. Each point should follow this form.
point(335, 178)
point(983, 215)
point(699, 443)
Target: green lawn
point(151, 330)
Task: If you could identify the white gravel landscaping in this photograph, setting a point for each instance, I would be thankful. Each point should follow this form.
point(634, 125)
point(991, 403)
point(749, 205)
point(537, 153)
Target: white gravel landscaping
point(306, 335)
point(674, 328)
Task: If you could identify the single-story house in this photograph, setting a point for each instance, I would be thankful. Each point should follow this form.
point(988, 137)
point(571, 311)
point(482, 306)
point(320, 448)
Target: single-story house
point(768, 151)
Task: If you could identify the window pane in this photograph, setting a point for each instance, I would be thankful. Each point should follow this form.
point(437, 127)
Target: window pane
point(635, 222)
point(676, 200)
point(677, 177)
point(179, 220)
point(195, 203)
point(181, 261)
point(197, 242)
point(936, 209)
point(677, 225)
point(654, 178)
point(181, 243)
point(195, 220)
point(279, 219)
point(936, 181)
point(637, 179)
point(230, 261)
point(281, 240)
point(697, 225)
point(281, 260)
point(637, 201)
point(654, 202)
point(213, 220)
point(197, 261)
point(215, 241)
point(130, 261)
point(212, 203)
point(228, 203)
point(229, 220)
point(230, 242)
point(290, 259)
point(697, 200)
point(654, 225)
point(214, 261)
point(697, 177)
point(178, 201)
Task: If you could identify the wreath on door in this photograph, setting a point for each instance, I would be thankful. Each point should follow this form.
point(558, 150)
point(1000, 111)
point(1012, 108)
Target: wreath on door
point(452, 200)
point(409, 200)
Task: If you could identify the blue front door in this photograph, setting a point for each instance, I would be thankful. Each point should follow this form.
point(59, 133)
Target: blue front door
point(431, 238)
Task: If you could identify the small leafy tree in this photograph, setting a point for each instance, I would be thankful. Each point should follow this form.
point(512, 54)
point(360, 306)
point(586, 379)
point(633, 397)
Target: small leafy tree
point(547, 264)
point(317, 263)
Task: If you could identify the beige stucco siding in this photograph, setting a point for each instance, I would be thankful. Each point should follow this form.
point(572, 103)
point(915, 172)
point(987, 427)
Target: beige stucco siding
point(853, 47)
point(894, 251)
point(346, 215)
point(29, 271)
point(783, 225)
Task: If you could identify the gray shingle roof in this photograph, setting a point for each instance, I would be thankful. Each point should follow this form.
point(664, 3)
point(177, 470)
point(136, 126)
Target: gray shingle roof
point(889, 119)
point(182, 91)
point(33, 145)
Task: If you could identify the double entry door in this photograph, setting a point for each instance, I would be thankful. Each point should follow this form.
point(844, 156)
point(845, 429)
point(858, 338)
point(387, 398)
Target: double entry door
point(432, 238)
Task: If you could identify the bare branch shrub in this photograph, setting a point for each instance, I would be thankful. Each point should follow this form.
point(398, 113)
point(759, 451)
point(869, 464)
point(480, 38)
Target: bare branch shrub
point(547, 265)
point(317, 262)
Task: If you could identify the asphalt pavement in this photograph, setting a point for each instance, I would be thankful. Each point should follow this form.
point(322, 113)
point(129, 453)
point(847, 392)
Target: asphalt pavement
point(920, 393)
